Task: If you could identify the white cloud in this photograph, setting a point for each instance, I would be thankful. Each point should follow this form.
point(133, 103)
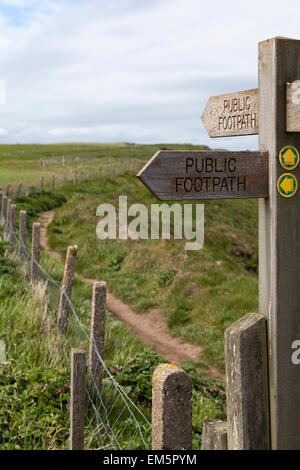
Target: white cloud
point(131, 70)
point(3, 131)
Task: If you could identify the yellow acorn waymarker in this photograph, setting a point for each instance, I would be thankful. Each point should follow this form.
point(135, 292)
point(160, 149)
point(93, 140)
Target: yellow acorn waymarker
point(287, 185)
point(289, 157)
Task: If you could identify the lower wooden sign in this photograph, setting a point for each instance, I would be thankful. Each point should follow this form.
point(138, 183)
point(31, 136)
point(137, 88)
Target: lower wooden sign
point(190, 175)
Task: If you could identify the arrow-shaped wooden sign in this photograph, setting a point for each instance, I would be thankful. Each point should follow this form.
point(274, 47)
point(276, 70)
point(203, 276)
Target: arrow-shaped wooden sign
point(232, 114)
point(186, 175)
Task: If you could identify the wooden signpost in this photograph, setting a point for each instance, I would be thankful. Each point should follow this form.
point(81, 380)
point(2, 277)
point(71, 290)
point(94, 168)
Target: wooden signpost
point(180, 175)
point(272, 175)
point(232, 114)
point(293, 106)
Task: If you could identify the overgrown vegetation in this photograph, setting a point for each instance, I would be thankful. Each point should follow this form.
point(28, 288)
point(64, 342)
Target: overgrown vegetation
point(34, 382)
point(200, 293)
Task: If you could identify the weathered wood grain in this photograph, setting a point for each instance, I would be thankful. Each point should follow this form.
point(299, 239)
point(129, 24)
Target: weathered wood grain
point(214, 435)
point(246, 359)
point(77, 399)
point(279, 246)
point(196, 175)
point(293, 106)
point(232, 114)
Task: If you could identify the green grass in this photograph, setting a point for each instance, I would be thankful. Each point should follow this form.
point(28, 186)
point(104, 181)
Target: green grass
point(199, 292)
point(34, 382)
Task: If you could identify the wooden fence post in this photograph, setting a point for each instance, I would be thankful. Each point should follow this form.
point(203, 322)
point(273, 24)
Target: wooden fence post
point(77, 399)
point(22, 236)
point(4, 209)
point(171, 408)
point(214, 435)
point(97, 334)
point(247, 384)
point(7, 189)
point(13, 216)
point(18, 190)
point(66, 288)
point(8, 212)
point(35, 251)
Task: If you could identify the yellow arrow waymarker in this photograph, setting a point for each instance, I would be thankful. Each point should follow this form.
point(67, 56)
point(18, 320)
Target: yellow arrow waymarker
point(289, 157)
point(287, 185)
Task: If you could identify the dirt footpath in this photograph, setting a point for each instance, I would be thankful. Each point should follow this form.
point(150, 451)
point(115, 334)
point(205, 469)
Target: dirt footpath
point(151, 327)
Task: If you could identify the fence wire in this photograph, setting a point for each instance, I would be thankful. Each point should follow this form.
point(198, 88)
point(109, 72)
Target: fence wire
point(113, 421)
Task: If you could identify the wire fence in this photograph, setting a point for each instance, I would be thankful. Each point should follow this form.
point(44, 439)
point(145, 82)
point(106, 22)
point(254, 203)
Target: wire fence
point(76, 175)
point(113, 421)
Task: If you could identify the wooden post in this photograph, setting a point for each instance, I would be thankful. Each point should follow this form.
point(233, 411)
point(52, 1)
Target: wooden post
point(7, 189)
point(53, 183)
point(42, 185)
point(214, 435)
point(4, 209)
point(66, 288)
point(22, 236)
point(13, 216)
point(247, 384)
point(77, 399)
point(35, 251)
point(97, 334)
point(279, 246)
point(171, 408)
point(19, 190)
point(8, 210)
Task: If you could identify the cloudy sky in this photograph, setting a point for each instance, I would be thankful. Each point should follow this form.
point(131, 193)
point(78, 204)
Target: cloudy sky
point(129, 70)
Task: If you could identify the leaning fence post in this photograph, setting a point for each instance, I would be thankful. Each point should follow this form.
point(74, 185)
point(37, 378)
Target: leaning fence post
point(35, 251)
point(13, 214)
point(77, 399)
point(97, 334)
point(66, 288)
point(214, 435)
point(171, 408)
point(22, 236)
point(247, 384)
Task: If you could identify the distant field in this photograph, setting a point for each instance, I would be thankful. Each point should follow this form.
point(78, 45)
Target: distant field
point(21, 163)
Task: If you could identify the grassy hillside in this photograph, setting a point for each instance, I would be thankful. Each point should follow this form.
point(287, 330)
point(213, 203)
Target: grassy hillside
point(34, 381)
point(199, 292)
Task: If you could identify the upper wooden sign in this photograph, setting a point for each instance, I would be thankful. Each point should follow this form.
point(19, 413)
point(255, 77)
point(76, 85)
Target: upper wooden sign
point(232, 114)
point(182, 175)
point(293, 106)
